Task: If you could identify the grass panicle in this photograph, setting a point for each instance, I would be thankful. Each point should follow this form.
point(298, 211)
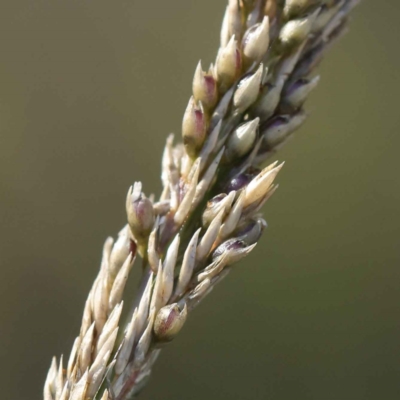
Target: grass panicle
point(244, 107)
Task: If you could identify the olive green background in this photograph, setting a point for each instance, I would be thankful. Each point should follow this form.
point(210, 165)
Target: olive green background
point(88, 92)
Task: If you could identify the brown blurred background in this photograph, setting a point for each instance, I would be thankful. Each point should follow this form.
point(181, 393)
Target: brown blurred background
point(88, 92)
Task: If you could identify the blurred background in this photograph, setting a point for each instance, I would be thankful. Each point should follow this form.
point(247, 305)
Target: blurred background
point(88, 92)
